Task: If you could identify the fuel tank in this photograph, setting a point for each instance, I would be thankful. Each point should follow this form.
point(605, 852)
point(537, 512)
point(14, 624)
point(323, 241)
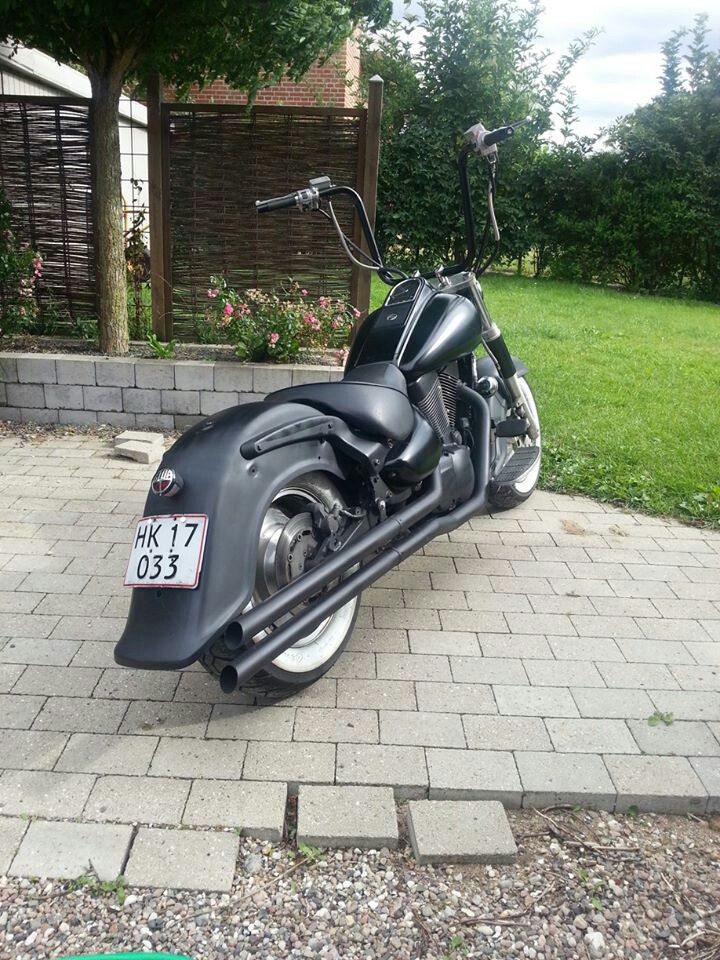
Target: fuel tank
point(419, 327)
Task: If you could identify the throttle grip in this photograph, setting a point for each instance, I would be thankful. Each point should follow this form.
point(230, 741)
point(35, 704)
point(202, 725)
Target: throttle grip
point(276, 203)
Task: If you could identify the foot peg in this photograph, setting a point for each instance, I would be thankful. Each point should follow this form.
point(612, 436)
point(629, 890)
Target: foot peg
point(517, 467)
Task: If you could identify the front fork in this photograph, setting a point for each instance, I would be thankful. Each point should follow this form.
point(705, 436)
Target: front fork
point(497, 348)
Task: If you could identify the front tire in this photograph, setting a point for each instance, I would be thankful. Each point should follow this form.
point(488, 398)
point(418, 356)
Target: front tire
point(512, 495)
point(287, 526)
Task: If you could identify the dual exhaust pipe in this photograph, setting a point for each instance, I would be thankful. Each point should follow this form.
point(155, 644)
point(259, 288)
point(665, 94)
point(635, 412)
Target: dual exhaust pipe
point(398, 537)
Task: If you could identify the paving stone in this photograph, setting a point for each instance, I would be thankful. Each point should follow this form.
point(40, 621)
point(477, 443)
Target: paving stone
point(166, 719)
point(495, 670)
point(654, 651)
point(347, 816)
point(398, 666)
point(460, 831)
point(12, 831)
point(376, 694)
point(708, 769)
point(657, 784)
point(405, 618)
point(57, 681)
point(140, 452)
point(254, 808)
point(704, 677)
point(455, 698)
point(31, 749)
point(81, 715)
point(421, 729)
point(550, 778)
point(565, 673)
point(150, 800)
point(39, 651)
point(708, 653)
point(293, 763)
point(506, 733)
point(687, 704)
point(612, 704)
point(402, 768)
point(473, 775)
point(643, 676)
point(137, 685)
point(106, 753)
point(444, 642)
point(183, 860)
point(535, 701)
point(585, 648)
point(237, 722)
point(92, 654)
point(523, 646)
point(18, 712)
point(336, 725)
point(190, 757)
point(586, 736)
point(377, 641)
point(68, 850)
point(356, 665)
point(683, 738)
point(39, 793)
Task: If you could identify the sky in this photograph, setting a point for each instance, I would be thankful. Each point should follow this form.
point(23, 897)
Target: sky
point(620, 71)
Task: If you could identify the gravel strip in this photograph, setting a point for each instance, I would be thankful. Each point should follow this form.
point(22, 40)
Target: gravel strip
point(586, 885)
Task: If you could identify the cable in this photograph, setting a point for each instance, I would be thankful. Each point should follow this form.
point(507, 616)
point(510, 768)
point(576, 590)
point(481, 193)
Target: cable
point(384, 272)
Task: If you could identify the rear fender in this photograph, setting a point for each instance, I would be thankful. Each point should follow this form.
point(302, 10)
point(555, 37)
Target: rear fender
point(169, 628)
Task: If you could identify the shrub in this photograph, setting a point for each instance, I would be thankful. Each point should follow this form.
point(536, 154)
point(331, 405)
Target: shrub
point(20, 270)
point(273, 327)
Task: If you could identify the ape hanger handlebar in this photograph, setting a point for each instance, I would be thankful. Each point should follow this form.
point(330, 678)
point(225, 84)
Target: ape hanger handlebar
point(479, 140)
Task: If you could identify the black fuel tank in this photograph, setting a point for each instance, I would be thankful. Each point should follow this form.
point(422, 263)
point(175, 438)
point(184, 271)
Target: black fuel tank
point(419, 328)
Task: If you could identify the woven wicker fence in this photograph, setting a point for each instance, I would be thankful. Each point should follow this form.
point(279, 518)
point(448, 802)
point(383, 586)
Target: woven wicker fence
point(45, 173)
point(220, 160)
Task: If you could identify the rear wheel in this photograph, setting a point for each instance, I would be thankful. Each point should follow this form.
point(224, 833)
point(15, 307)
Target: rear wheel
point(287, 540)
point(512, 495)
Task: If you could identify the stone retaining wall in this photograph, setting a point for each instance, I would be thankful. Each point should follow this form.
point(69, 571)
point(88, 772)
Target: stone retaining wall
point(128, 392)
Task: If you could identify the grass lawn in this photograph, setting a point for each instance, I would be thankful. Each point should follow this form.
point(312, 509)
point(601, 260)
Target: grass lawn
point(628, 389)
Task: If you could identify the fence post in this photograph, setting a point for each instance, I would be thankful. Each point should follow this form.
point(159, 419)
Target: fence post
point(360, 290)
point(159, 282)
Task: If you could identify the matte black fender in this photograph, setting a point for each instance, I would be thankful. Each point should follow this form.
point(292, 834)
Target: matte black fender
point(169, 628)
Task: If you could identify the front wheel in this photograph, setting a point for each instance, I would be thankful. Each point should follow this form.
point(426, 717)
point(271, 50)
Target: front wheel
point(287, 540)
point(512, 495)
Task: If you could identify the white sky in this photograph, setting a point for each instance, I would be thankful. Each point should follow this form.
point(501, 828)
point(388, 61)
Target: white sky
point(620, 71)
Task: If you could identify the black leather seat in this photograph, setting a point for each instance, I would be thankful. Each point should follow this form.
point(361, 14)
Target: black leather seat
point(371, 399)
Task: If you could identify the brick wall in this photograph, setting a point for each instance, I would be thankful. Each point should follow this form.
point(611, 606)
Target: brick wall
point(332, 84)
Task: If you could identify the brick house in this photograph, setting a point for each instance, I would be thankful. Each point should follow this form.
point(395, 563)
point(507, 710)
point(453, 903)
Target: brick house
point(331, 84)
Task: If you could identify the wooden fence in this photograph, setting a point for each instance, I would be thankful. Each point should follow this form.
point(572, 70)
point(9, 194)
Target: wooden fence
point(45, 172)
point(211, 162)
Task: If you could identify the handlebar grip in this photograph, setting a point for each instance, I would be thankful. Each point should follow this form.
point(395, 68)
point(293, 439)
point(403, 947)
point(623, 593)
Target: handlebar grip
point(495, 136)
point(276, 203)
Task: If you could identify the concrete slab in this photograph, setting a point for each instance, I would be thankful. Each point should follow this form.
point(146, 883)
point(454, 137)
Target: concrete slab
point(254, 808)
point(65, 850)
point(460, 831)
point(347, 817)
point(183, 860)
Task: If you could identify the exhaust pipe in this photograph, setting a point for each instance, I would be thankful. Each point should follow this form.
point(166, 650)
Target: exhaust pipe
point(250, 661)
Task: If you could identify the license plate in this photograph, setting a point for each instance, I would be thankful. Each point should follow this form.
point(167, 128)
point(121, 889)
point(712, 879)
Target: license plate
point(167, 551)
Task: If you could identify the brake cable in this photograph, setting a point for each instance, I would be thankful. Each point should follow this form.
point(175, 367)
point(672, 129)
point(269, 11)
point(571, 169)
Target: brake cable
point(347, 244)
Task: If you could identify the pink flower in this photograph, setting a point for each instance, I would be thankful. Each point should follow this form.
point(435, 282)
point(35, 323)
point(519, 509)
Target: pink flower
point(273, 339)
point(303, 292)
point(215, 292)
point(228, 309)
point(356, 312)
point(210, 293)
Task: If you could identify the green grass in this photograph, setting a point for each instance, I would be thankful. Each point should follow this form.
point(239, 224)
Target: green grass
point(628, 389)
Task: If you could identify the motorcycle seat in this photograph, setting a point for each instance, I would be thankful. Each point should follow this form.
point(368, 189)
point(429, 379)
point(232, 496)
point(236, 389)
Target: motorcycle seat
point(372, 399)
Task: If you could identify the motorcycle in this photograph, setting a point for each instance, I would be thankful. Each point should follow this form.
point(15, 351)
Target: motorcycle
point(265, 522)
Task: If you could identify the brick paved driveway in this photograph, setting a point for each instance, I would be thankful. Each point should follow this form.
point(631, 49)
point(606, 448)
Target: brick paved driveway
point(520, 659)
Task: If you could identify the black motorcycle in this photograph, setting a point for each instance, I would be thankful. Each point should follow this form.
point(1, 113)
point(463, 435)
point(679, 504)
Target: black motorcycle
point(265, 522)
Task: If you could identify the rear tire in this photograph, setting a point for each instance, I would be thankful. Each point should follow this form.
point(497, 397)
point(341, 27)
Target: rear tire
point(507, 497)
point(312, 657)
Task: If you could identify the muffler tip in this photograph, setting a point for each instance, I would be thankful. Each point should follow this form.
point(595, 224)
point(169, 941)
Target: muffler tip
point(229, 679)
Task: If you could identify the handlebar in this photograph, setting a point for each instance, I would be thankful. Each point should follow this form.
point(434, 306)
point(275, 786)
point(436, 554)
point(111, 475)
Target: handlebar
point(277, 203)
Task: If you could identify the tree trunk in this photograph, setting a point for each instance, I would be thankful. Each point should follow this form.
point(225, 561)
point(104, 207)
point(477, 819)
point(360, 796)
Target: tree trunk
point(108, 212)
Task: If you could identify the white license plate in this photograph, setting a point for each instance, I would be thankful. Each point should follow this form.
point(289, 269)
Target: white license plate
point(167, 551)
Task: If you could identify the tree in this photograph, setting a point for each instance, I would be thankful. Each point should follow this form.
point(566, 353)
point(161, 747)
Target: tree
point(458, 62)
point(252, 43)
